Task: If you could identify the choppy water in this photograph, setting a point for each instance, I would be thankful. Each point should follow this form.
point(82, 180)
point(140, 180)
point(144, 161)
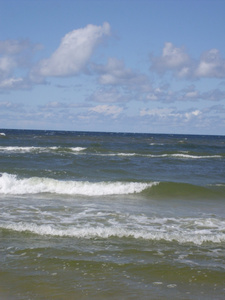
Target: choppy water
point(111, 216)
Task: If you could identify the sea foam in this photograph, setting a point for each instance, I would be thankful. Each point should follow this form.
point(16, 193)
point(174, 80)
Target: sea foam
point(177, 234)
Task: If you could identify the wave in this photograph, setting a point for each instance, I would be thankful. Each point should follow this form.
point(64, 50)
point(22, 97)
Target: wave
point(179, 155)
point(12, 185)
point(17, 149)
point(196, 231)
point(185, 191)
point(58, 149)
point(165, 155)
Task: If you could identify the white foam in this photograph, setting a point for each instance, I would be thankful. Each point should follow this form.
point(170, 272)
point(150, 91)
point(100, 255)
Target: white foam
point(77, 149)
point(17, 149)
point(10, 184)
point(119, 231)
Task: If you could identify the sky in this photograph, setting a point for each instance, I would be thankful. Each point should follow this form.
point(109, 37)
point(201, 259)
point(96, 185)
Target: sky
point(148, 66)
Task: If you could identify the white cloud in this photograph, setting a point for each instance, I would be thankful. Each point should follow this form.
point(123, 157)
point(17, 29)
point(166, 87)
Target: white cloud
point(211, 64)
point(172, 58)
point(162, 94)
point(119, 84)
point(190, 115)
point(15, 57)
point(188, 94)
point(115, 73)
point(11, 83)
point(7, 64)
point(191, 94)
point(159, 112)
point(167, 114)
point(13, 47)
point(176, 60)
point(73, 52)
point(107, 110)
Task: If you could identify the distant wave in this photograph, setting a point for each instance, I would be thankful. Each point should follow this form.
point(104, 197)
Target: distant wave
point(179, 155)
point(181, 230)
point(172, 155)
point(11, 184)
point(78, 150)
point(18, 149)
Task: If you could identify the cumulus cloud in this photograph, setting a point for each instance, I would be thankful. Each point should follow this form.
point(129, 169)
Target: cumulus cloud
point(211, 64)
point(177, 61)
point(73, 52)
point(173, 59)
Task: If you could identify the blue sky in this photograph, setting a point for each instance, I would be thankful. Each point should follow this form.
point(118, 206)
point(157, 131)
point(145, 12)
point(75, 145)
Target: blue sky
point(154, 66)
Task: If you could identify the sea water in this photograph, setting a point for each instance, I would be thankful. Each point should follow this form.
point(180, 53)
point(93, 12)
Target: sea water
point(111, 216)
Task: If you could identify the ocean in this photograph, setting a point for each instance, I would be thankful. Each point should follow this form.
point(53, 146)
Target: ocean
point(90, 215)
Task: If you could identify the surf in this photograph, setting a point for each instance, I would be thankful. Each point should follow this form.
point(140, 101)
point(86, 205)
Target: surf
point(180, 230)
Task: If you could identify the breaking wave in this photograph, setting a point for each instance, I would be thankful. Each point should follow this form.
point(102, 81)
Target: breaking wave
point(12, 185)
